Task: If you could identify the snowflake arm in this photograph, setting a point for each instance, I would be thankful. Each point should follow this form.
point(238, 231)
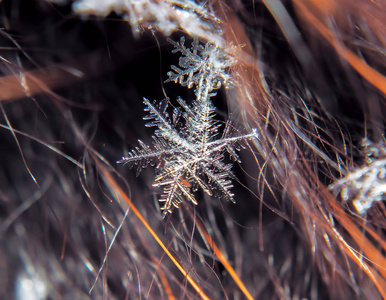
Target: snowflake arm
point(159, 118)
point(221, 182)
point(174, 192)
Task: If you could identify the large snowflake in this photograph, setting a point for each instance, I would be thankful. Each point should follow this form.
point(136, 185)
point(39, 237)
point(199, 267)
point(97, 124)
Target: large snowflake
point(188, 150)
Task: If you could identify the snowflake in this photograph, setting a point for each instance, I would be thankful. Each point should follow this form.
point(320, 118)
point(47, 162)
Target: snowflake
point(187, 151)
point(166, 16)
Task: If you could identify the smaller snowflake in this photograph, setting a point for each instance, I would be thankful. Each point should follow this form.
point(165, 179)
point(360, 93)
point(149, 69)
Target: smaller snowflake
point(367, 184)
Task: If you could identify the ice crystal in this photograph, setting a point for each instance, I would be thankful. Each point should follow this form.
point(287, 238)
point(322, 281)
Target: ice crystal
point(366, 184)
point(188, 150)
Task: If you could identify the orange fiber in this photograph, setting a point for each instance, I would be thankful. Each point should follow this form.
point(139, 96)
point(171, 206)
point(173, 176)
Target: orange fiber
point(30, 83)
point(369, 250)
point(113, 184)
point(223, 260)
point(166, 285)
point(371, 75)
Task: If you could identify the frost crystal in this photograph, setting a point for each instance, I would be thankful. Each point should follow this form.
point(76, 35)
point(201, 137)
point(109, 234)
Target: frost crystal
point(188, 151)
point(367, 184)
